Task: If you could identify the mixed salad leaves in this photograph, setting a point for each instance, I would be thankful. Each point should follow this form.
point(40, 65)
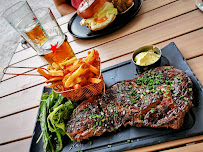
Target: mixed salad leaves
point(54, 112)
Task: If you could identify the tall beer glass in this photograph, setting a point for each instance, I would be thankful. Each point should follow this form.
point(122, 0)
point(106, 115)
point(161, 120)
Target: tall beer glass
point(56, 48)
point(24, 21)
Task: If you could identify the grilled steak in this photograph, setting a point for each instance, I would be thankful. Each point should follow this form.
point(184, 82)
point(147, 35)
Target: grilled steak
point(87, 120)
point(157, 98)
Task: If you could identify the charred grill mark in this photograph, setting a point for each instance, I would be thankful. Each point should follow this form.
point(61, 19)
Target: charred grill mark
point(157, 98)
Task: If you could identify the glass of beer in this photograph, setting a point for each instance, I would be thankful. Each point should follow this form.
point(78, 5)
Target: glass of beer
point(21, 17)
point(41, 30)
point(56, 48)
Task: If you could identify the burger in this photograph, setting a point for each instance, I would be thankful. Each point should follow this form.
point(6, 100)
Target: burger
point(96, 14)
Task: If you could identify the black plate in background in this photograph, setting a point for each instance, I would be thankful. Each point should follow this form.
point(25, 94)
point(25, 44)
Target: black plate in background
point(121, 20)
point(143, 136)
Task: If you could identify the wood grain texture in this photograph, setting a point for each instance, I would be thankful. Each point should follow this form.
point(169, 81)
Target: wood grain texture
point(36, 61)
point(24, 100)
point(168, 144)
point(152, 35)
point(19, 146)
point(188, 44)
point(196, 65)
point(18, 126)
point(147, 6)
point(195, 148)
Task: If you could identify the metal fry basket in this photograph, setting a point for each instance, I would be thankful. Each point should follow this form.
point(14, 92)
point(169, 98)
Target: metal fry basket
point(84, 92)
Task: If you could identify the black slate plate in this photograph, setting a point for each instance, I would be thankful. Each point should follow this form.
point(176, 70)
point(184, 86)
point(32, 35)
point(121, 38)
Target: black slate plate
point(121, 20)
point(143, 136)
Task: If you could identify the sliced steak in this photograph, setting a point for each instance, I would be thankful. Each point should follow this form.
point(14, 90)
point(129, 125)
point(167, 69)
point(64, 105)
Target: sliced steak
point(157, 98)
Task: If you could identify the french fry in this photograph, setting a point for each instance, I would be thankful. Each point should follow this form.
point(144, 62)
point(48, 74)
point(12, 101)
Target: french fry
point(54, 79)
point(94, 70)
point(53, 85)
point(75, 65)
point(49, 67)
point(90, 58)
point(65, 78)
point(75, 74)
point(94, 80)
point(56, 66)
point(56, 72)
point(44, 74)
point(68, 62)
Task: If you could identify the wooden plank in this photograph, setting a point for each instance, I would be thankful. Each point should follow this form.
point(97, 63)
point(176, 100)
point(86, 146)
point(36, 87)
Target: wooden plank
point(36, 61)
point(152, 35)
point(194, 148)
point(19, 83)
point(23, 55)
point(168, 144)
point(19, 47)
point(196, 65)
point(185, 43)
point(193, 41)
point(19, 146)
point(124, 45)
point(25, 100)
point(17, 126)
point(7, 128)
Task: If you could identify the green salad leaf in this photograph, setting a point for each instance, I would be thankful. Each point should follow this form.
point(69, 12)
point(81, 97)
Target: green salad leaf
point(54, 112)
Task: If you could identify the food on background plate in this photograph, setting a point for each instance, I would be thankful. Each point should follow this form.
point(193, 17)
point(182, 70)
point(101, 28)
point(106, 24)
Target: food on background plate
point(157, 98)
point(96, 14)
point(146, 58)
point(122, 5)
point(74, 73)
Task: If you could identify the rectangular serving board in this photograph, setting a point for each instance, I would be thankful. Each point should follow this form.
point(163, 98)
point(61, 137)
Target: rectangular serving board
point(143, 136)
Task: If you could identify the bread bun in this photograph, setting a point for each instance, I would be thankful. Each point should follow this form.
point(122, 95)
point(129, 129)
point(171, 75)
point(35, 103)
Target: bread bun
point(88, 8)
point(100, 26)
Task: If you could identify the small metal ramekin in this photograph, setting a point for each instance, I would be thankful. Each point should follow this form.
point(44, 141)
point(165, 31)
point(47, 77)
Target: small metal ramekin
point(145, 48)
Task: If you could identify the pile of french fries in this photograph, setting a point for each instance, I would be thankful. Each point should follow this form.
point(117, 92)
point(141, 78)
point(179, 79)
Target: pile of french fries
point(73, 73)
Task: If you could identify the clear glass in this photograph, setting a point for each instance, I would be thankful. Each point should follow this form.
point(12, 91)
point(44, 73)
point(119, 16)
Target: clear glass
point(41, 30)
point(21, 17)
point(17, 12)
point(56, 48)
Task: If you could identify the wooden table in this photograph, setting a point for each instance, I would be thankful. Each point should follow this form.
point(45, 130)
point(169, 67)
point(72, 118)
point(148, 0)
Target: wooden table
point(159, 22)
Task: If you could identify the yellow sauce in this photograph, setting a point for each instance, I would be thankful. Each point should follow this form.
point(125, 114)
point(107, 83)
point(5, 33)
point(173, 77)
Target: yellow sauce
point(146, 58)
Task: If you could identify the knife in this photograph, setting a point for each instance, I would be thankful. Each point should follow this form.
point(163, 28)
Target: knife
point(199, 5)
